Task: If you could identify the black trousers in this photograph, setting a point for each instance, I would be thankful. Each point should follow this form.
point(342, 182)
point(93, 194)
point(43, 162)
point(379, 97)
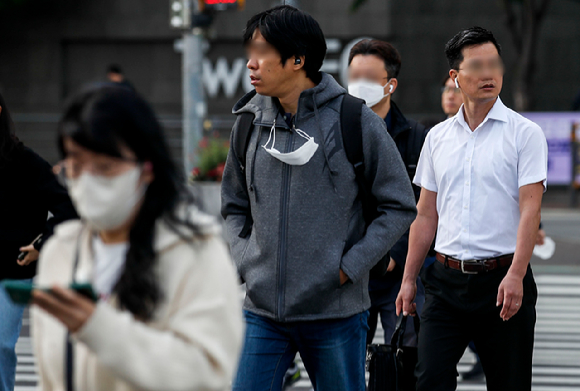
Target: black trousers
point(460, 308)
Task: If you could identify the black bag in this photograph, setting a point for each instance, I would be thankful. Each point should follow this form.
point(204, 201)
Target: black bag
point(392, 367)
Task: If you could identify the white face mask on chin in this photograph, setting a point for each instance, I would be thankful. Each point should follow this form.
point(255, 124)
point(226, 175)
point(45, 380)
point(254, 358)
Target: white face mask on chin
point(299, 157)
point(106, 203)
point(371, 92)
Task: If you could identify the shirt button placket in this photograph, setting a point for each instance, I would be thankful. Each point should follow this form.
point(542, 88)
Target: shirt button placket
point(466, 195)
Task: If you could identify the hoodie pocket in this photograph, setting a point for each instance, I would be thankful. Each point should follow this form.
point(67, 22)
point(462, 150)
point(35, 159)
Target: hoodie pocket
point(313, 281)
point(242, 265)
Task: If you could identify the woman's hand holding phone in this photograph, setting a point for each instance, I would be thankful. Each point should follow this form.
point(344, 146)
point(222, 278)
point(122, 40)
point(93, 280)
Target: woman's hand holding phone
point(69, 307)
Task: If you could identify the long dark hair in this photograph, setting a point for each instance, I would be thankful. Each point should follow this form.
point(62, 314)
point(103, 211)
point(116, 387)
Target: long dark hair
point(101, 120)
point(8, 140)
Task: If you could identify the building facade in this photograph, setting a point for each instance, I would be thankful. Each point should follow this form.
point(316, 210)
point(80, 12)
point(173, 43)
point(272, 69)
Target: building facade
point(52, 48)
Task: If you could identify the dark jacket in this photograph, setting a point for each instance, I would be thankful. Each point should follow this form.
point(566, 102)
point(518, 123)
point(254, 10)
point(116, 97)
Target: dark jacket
point(402, 130)
point(29, 191)
point(308, 221)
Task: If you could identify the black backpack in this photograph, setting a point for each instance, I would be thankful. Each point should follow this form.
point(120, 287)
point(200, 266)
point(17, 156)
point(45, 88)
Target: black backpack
point(351, 128)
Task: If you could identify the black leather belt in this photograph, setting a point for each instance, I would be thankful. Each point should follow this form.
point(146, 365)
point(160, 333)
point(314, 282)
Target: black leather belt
point(475, 266)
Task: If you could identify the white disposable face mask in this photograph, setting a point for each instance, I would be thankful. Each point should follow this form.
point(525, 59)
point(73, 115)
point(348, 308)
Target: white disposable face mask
point(106, 203)
point(299, 157)
point(371, 92)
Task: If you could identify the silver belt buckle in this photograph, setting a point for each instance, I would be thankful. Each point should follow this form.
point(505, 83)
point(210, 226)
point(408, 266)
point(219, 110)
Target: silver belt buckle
point(463, 268)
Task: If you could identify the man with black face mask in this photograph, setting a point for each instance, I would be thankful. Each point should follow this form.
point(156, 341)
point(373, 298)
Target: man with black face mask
point(293, 213)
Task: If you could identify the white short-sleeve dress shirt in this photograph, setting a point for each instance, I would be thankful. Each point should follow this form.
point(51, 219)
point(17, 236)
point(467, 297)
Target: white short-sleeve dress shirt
point(477, 175)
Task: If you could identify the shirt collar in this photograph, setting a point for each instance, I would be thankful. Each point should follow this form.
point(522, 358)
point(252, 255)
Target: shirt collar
point(498, 112)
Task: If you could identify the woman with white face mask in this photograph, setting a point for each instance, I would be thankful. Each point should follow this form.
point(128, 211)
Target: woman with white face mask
point(168, 315)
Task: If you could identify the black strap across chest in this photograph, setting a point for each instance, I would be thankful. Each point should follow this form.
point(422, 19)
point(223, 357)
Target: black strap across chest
point(69, 361)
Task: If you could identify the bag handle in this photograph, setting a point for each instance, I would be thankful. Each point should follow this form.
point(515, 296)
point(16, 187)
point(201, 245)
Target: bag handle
point(399, 333)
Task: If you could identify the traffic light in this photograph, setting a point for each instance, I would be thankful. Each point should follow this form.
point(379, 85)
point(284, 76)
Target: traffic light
point(180, 14)
point(183, 14)
point(220, 5)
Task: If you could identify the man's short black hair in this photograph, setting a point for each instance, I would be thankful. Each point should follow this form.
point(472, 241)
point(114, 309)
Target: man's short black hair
point(465, 38)
point(444, 80)
point(114, 68)
point(293, 33)
point(384, 50)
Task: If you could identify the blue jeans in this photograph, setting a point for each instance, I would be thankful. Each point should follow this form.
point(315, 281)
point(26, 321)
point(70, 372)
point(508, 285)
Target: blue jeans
point(10, 325)
point(333, 352)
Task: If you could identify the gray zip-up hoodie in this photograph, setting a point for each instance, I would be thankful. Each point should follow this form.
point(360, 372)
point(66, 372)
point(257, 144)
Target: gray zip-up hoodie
point(307, 220)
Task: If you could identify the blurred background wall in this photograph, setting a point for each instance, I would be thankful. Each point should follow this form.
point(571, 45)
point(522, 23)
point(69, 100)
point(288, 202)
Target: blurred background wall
point(52, 48)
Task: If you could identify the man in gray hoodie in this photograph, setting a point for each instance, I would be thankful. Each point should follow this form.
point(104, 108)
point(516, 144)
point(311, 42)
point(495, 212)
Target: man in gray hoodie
point(294, 215)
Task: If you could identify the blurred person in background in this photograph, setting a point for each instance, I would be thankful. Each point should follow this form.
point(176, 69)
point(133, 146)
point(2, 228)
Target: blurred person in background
point(116, 75)
point(451, 99)
point(373, 70)
point(28, 192)
point(168, 314)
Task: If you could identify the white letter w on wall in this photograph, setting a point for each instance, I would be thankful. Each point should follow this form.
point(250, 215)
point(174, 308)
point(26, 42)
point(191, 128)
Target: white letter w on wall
point(229, 79)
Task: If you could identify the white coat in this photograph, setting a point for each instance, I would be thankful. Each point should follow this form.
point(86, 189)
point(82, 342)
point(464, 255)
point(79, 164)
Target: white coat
point(192, 343)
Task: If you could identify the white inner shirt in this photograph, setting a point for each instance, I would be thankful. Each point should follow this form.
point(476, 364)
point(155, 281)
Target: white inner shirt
point(109, 263)
point(477, 176)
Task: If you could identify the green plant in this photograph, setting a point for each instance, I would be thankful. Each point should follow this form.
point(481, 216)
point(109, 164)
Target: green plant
point(212, 155)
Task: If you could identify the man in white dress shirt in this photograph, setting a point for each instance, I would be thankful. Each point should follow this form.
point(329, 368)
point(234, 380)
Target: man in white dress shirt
point(482, 175)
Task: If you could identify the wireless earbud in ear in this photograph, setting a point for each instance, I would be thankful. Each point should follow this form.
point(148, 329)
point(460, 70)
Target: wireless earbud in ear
point(391, 88)
point(298, 61)
point(456, 83)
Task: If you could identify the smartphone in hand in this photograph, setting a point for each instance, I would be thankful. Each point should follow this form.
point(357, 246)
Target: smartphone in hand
point(23, 254)
point(21, 292)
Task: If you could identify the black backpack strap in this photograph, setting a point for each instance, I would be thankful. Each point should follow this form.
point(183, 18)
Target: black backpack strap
point(241, 138)
point(69, 352)
point(351, 128)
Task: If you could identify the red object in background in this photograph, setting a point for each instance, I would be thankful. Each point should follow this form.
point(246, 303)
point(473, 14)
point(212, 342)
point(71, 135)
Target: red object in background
point(204, 142)
point(217, 173)
point(220, 170)
point(221, 5)
point(213, 2)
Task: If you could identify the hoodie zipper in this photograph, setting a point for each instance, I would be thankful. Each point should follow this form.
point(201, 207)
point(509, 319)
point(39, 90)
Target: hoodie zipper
point(282, 249)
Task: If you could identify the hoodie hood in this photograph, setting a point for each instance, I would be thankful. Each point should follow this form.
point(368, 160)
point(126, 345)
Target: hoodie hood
point(266, 108)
